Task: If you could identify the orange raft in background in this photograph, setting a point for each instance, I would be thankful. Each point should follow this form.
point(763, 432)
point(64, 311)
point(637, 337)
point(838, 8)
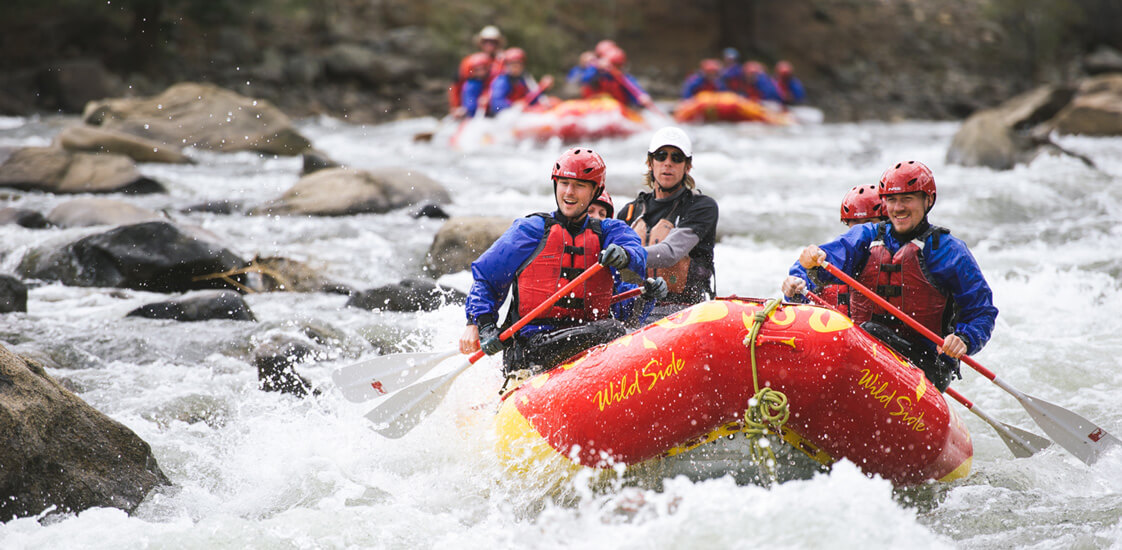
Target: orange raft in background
point(580, 119)
point(687, 379)
point(726, 107)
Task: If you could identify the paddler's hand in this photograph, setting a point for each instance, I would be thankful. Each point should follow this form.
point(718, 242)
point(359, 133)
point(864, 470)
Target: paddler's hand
point(614, 256)
point(655, 288)
point(793, 286)
point(812, 256)
point(646, 101)
point(953, 346)
point(469, 341)
point(489, 339)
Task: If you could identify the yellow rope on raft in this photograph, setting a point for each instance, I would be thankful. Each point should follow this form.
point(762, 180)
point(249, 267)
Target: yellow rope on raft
point(767, 410)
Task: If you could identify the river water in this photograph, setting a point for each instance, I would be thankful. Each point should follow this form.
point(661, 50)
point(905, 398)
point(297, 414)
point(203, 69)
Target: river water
point(264, 470)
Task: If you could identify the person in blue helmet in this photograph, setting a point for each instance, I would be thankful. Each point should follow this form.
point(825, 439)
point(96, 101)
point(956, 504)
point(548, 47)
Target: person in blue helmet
point(538, 255)
point(918, 267)
point(732, 72)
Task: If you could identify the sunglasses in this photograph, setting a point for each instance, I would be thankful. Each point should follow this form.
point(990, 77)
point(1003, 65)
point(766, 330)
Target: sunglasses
point(676, 156)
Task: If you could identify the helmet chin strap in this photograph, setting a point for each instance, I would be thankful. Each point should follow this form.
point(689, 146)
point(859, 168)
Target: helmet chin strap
point(672, 190)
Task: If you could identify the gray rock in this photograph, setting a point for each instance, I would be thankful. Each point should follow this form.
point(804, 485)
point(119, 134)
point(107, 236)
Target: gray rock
point(13, 295)
point(91, 139)
point(1103, 60)
point(54, 170)
point(203, 116)
point(276, 362)
point(202, 306)
point(58, 451)
point(460, 241)
point(345, 191)
point(154, 256)
point(1096, 109)
point(316, 160)
point(89, 211)
point(1001, 137)
point(223, 206)
point(408, 295)
point(23, 218)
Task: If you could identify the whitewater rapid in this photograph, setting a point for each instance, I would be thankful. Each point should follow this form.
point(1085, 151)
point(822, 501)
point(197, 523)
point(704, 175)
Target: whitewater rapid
point(264, 470)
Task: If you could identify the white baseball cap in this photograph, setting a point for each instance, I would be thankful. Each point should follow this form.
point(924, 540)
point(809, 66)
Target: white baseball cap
point(490, 32)
point(672, 136)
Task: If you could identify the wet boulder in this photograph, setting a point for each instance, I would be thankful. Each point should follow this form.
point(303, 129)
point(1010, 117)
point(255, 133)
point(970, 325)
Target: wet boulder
point(1003, 136)
point(345, 191)
point(60, 452)
point(1096, 109)
point(203, 116)
point(460, 241)
point(201, 306)
point(13, 295)
point(89, 211)
point(55, 170)
point(23, 218)
point(1103, 60)
point(280, 274)
point(276, 361)
point(155, 256)
point(408, 295)
point(91, 139)
point(315, 160)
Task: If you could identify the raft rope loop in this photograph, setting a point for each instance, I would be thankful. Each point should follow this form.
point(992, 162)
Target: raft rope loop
point(767, 409)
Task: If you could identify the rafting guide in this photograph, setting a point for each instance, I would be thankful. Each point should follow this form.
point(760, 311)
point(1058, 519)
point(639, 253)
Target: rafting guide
point(538, 255)
point(918, 267)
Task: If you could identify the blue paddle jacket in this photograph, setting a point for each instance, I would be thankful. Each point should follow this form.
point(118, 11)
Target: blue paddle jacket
point(470, 94)
point(697, 83)
point(496, 269)
point(506, 89)
point(952, 268)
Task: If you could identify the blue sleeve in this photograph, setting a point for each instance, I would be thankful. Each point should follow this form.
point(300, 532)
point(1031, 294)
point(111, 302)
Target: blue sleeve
point(590, 75)
point(956, 272)
point(767, 88)
point(846, 252)
point(618, 232)
point(493, 272)
point(634, 86)
point(470, 96)
point(689, 89)
point(574, 73)
point(798, 93)
point(500, 90)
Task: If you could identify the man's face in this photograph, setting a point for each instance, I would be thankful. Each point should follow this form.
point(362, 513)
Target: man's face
point(668, 165)
point(573, 196)
point(906, 210)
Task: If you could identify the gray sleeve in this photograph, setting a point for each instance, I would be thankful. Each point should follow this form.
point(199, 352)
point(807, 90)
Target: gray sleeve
point(670, 251)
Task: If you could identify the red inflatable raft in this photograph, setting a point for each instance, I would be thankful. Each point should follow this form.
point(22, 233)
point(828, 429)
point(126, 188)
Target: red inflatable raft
point(688, 378)
point(726, 107)
point(578, 120)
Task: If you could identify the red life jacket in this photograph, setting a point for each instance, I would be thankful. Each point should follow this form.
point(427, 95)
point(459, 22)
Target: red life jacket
point(903, 280)
point(560, 258)
point(837, 296)
point(518, 88)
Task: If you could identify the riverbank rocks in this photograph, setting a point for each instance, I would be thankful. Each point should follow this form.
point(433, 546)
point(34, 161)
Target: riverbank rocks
point(23, 218)
point(460, 241)
point(1001, 137)
point(154, 256)
point(13, 295)
point(89, 211)
point(58, 451)
point(55, 170)
point(1096, 109)
point(91, 139)
point(346, 191)
point(201, 115)
point(276, 361)
point(408, 295)
point(201, 306)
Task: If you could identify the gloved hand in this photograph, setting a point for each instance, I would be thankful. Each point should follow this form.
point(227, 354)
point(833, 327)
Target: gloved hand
point(655, 288)
point(489, 339)
point(614, 256)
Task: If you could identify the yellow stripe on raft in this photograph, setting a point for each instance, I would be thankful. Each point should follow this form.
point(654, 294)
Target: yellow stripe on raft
point(522, 449)
point(962, 471)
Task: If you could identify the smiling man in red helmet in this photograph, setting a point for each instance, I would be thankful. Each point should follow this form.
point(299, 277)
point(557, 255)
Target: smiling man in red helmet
point(538, 255)
point(918, 267)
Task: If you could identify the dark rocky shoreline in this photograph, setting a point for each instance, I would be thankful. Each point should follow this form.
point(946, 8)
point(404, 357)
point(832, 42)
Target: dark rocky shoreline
point(383, 60)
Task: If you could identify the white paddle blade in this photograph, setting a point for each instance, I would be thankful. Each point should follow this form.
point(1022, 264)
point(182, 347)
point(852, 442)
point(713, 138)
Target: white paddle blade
point(399, 414)
point(1022, 443)
point(1079, 436)
point(383, 375)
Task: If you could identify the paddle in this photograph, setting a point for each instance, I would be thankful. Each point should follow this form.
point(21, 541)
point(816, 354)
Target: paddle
point(383, 375)
point(634, 90)
point(405, 409)
point(1081, 437)
point(543, 85)
point(1021, 443)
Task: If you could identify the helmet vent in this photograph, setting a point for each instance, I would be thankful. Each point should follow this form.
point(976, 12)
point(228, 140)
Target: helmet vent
point(912, 181)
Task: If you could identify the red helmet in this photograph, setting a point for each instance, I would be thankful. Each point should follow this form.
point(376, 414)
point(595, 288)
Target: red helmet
point(604, 46)
point(907, 177)
point(783, 68)
point(606, 200)
point(514, 55)
point(862, 202)
point(753, 67)
point(616, 57)
point(474, 61)
point(584, 164)
point(710, 66)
